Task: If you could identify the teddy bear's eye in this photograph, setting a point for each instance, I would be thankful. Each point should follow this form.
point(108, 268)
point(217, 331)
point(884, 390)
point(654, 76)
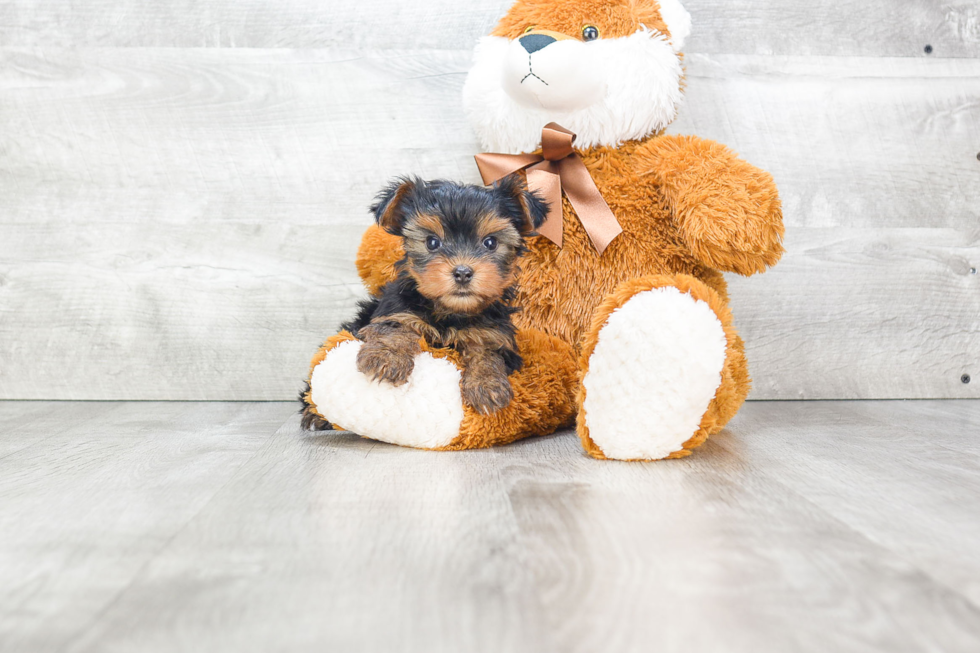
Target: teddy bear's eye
point(432, 243)
point(530, 28)
point(590, 33)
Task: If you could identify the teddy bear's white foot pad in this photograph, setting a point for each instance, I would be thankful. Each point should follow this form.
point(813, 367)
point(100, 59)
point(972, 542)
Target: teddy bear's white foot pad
point(426, 412)
point(655, 369)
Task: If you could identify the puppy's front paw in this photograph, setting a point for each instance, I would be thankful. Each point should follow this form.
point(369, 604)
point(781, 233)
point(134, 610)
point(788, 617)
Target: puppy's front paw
point(381, 363)
point(486, 394)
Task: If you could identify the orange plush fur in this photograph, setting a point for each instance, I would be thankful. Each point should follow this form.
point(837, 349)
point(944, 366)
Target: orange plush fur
point(689, 208)
point(544, 392)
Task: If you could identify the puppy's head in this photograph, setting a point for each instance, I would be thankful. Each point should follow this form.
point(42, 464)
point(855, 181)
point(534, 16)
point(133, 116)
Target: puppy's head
point(461, 242)
point(608, 70)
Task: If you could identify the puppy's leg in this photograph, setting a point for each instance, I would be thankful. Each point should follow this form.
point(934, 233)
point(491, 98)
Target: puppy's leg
point(311, 420)
point(484, 385)
point(388, 353)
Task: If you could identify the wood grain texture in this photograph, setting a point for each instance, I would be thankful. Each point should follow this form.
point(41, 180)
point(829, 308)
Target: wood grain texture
point(821, 27)
point(897, 28)
point(439, 24)
point(718, 554)
point(98, 495)
point(851, 142)
point(284, 136)
point(25, 423)
point(329, 542)
point(806, 526)
point(884, 313)
point(873, 468)
point(150, 311)
point(182, 224)
point(204, 135)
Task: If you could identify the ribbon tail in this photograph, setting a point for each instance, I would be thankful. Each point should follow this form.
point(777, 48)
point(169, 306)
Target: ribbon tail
point(545, 180)
point(595, 215)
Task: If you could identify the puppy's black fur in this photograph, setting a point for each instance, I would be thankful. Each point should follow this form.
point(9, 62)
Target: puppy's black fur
point(455, 285)
point(403, 296)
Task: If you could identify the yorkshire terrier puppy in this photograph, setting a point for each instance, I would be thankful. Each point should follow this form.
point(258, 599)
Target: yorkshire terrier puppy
point(455, 287)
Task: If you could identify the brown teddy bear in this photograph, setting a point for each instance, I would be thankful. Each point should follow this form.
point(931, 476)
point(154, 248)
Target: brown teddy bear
point(624, 325)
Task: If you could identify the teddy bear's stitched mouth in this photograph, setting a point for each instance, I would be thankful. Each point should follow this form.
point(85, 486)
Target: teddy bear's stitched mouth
point(530, 73)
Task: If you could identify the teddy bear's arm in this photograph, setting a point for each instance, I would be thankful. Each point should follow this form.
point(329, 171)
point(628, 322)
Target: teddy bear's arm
point(727, 211)
point(377, 256)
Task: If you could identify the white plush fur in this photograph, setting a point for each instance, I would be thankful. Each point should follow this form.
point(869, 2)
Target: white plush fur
point(565, 76)
point(678, 22)
point(607, 91)
point(655, 368)
point(426, 412)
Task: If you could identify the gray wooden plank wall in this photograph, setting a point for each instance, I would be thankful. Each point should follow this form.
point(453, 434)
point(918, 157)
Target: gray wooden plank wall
point(183, 184)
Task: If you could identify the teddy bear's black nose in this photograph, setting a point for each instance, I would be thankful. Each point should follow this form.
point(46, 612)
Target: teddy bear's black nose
point(534, 42)
point(463, 274)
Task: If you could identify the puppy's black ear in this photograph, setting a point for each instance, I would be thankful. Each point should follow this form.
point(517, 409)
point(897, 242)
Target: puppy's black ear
point(390, 207)
point(526, 209)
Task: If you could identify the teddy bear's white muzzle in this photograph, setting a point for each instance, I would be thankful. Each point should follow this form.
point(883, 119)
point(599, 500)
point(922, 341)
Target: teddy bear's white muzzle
point(559, 77)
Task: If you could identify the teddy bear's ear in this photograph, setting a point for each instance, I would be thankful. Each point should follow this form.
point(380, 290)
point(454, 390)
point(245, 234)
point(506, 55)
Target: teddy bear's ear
point(678, 22)
point(527, 210)
point(389, 206)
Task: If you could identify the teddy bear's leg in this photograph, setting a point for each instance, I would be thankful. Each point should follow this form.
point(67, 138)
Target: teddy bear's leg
point(662, 369)
point(427, 412)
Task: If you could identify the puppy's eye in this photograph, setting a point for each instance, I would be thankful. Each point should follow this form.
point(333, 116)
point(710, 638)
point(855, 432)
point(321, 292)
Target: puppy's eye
point(590, 33)
point(432, 243)
point(530, 28)
point(490, 243)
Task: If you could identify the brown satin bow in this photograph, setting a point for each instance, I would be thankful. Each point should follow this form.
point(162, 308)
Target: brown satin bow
point(557, 167)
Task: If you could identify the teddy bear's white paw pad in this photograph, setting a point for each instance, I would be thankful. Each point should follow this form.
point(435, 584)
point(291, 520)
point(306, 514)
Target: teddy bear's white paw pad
point(425, 412)
point(655, 368)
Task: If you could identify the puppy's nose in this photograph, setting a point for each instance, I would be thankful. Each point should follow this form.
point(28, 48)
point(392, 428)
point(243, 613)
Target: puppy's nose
point(534, 42)
point(463, 274)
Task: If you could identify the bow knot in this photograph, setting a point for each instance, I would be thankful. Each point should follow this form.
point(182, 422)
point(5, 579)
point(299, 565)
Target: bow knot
point(556, 142)
point(558, 167)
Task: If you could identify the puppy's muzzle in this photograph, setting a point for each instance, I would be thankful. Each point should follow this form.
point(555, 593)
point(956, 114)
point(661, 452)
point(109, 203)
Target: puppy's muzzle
point(463, 274)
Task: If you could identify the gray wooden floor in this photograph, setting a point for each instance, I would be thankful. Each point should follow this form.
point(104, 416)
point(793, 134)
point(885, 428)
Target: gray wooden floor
point(822, 526)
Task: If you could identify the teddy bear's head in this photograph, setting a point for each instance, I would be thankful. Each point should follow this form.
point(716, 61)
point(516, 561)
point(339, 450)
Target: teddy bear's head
point(609, 70)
